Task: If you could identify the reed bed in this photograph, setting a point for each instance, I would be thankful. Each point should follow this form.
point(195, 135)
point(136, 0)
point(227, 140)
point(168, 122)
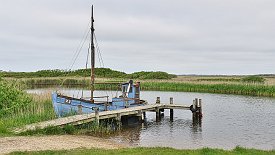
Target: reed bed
point(238, 89)
point(39, 109)
point(190, 85)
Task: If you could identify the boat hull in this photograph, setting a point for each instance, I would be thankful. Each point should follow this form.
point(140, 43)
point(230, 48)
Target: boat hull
point(65, 105)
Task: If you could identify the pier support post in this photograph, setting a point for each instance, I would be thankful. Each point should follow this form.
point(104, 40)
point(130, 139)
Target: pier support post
point(200, 108)
point(141, 115)
point(195, 107)
point(157, 110)
point(96, 115)
point(158, 100)
point(197, 110)
point(79, 110)
point(144, 115)
point(118, 119)
point(157, 114)
point(171, 110)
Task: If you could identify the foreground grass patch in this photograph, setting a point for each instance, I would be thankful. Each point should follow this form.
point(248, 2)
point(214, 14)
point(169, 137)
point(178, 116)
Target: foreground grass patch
point(18, 108)
point(153, 151)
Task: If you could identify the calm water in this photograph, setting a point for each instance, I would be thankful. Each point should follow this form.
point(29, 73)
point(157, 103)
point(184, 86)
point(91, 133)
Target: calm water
point(228, 121)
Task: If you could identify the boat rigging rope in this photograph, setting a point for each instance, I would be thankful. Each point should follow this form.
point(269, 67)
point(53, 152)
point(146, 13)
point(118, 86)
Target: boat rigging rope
point(76, 54)
point(98, 51)
point(100, 59)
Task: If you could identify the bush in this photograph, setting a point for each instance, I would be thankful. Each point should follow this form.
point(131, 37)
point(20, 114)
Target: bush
point(12, 97)
point(151, 75)
point(99, 72)
point(253, 79)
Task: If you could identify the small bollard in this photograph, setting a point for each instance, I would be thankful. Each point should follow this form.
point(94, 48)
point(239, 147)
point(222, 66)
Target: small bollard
point(171, 110)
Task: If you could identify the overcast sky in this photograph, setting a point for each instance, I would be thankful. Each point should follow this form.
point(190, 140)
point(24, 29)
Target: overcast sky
point(176, 36)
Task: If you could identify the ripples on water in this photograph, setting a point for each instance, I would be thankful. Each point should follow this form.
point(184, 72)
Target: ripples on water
point(228, 121)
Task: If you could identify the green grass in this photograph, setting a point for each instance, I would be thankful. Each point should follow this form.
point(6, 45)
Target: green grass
point(32, 113)
point(18, 108)
point(151, 151)
point(103, 129)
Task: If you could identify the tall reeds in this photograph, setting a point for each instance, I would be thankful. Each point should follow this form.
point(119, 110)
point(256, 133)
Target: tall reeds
point(238, 89)
point(19, 108)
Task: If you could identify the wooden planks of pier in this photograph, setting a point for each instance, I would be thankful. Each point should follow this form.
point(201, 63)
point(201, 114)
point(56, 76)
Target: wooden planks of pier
point(116, 114)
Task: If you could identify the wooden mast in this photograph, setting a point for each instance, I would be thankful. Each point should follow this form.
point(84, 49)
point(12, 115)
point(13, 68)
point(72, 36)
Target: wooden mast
point(92, 56)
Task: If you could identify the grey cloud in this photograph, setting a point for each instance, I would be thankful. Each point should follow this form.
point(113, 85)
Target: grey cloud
point(179, 36)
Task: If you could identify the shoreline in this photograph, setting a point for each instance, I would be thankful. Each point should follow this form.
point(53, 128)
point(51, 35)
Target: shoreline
point(79, 144)
point(55, 142)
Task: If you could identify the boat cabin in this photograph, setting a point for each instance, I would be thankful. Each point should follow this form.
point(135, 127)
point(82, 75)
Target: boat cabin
point(130, 95)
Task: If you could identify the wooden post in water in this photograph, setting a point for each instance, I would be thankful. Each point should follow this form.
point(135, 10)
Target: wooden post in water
point(171, 110)
point(200, 108)
point(197, 109)
point(158, 100)
point(157, 109)
point(194, 108)
point(79, 110)
point(140, 115)
point(157, 114)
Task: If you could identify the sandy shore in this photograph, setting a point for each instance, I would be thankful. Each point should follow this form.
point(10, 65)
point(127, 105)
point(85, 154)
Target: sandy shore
point(56, 142)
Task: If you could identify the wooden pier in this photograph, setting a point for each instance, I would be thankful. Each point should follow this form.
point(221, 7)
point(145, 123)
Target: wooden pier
point(138, 111)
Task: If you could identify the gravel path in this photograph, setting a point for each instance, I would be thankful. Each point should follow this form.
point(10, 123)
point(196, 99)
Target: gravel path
point(58, 142)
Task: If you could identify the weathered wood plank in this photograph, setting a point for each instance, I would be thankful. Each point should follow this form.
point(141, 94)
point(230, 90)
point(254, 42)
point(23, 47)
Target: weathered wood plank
point(85, 118)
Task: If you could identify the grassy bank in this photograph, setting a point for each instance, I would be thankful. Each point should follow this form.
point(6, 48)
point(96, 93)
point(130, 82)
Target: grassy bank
point(153, 151)
point(99, 72)
point(17, 108)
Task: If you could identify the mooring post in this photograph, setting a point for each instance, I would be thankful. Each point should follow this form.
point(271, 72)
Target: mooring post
point(157, 109)
point(171, 110)
point(158, 100)
point(197, 102)
point(79, 110)
point(200, 107)
point(197, 109)
point(144, 115)
point(157, 114)
point(140, 115)
point(194, 108)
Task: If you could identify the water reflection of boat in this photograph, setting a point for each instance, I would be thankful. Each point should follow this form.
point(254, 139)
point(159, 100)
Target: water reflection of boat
point(63, 105)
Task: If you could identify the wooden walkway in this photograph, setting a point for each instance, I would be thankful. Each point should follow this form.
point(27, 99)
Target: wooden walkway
point(85, 118)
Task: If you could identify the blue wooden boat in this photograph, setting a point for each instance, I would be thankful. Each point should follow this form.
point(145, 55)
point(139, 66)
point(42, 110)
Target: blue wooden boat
point(66, 105)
